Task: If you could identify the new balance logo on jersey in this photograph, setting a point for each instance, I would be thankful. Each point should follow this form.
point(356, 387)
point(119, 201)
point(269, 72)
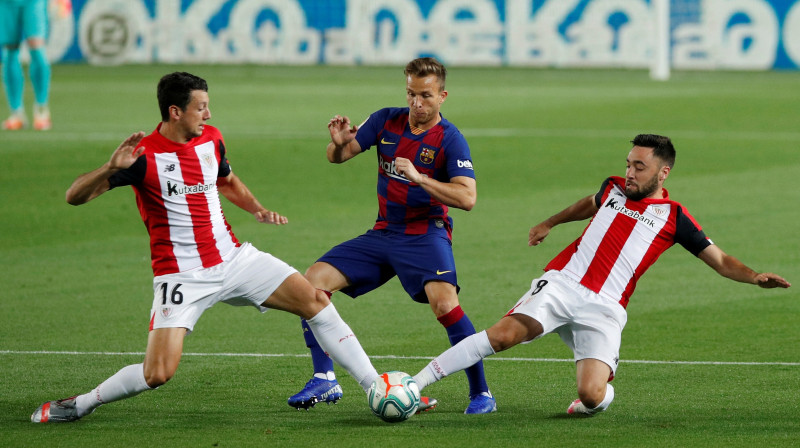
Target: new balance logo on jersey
point(169, 168)
point(628, 212)
point(465, 164)
point(178, 189)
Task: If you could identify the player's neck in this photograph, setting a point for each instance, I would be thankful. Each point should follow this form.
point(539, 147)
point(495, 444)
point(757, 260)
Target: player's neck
point(171, 132)
point(419, 128)
point(658, 194)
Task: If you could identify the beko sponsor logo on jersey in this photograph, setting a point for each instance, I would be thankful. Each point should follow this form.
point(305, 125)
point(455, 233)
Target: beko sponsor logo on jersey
point(465, 164)
point(614, 205)
point(390, 168)
point(180, 189)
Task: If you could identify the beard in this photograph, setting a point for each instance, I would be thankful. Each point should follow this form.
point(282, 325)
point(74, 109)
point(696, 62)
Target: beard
point(644, 190)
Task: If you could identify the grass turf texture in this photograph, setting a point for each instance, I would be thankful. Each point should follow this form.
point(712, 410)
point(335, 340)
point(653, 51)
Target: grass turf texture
point(78, 279)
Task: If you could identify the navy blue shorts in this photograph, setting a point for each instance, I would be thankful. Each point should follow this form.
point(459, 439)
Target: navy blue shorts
point(370, 260)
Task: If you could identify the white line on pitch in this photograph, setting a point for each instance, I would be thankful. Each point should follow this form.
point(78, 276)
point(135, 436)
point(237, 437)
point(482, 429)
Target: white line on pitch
point(494, 358)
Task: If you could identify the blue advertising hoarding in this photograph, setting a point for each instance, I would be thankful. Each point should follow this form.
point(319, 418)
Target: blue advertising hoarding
point(704, 34)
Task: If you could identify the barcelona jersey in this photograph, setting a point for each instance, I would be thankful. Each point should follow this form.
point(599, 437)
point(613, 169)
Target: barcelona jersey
point(440, 153)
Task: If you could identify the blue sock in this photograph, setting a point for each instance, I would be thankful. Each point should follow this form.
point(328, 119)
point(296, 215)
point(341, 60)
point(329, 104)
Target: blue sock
point(13, 78)
point(39, 71)
point(458, 327)
point(322, 362)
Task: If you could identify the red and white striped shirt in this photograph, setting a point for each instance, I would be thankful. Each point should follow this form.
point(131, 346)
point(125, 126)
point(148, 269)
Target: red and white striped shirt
point(624, 238)
point(176, 192)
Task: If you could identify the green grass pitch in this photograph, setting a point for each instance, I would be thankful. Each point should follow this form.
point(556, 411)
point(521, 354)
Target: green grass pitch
point(705, 361)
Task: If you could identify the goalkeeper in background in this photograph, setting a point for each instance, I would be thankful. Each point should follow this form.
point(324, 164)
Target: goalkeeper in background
point(27, 21)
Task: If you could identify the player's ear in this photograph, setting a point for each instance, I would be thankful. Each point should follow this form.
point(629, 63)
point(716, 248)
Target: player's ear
point(442, 96)
point(175, 112)
point(662, 175)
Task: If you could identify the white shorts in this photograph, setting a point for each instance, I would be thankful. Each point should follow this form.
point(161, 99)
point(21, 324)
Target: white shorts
point(247, 277)
point(588, 323)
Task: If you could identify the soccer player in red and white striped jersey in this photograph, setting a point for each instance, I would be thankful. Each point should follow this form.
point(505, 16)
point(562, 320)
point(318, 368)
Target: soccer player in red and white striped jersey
point(584, 291)
point(178, 173)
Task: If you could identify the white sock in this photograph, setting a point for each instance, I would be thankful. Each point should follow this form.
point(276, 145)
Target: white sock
point(605, 403)
point(338, 340)
point(329, 375)
point(456, 358)
point(126, 383)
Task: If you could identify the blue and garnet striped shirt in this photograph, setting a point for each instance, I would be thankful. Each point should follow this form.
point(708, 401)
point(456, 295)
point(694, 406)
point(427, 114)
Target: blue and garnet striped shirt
point(440, 153)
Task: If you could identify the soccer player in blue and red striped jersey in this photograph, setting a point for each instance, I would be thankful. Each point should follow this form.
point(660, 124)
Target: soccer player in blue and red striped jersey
point(424, 167)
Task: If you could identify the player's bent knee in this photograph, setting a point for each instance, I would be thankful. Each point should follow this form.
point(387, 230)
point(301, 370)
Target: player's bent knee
point(35, 43)
point(591, 396)
point(513, 330)
point(157, 377)
point(502, 338)
point(311, 304)
point(321, 298)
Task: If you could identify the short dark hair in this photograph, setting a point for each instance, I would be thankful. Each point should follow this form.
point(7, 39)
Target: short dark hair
point(662, 147)
point(422, 67)
point(175, 89)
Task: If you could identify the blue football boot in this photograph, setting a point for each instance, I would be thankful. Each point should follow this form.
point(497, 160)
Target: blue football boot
point(315, 391)
point(483, 403)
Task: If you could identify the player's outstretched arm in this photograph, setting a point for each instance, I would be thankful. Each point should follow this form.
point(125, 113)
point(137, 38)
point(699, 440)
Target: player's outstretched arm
point(237, 192)
point(583, 209)
point(94, 183)
point(730, 267)
point(343, 145)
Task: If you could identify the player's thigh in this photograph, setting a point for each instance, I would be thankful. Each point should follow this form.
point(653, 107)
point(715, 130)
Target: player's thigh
point(549, 301)
point(591, 377)
point(512, 330)
point(180, 299)
point(363, 261)
point(35, 20)
point(326, 277)
point(10, 23)
point(596, 332)
point(252, 276)
point(423, 259)
point(297, 296)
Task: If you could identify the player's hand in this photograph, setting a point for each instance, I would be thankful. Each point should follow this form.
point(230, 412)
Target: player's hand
point(341, 131)
point(770, 280)
point(407, 169)
point(127, 152)
point(537, 234)
point(269, 217)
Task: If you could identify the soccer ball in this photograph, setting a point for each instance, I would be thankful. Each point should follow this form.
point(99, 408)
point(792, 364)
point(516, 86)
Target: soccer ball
point(394, 396)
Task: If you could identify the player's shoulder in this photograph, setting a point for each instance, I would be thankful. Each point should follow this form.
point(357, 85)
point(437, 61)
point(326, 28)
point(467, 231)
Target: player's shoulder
point(211, 132)
point(450, 133)
point(389, 113)
point(611, 183)
point(447, 124)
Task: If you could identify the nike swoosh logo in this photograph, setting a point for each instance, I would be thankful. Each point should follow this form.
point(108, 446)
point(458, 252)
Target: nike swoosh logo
point(383, 141)
point(438, 272)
